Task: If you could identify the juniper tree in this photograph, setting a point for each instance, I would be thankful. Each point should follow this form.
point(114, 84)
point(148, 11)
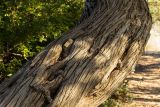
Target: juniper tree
point(84, 66)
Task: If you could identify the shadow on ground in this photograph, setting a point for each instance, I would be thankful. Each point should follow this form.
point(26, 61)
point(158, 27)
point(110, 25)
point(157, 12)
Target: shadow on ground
point(144, 83)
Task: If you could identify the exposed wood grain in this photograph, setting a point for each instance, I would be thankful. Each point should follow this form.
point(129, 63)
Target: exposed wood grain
point(85, 65)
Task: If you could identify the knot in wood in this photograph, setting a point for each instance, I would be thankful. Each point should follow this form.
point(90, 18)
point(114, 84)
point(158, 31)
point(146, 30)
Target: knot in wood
point(68, 43)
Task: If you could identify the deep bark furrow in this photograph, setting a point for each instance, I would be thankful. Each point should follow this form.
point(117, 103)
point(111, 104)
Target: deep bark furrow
point(20, 88)
point(12, 94)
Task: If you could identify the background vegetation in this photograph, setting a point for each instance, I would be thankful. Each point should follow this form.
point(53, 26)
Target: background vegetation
point(27, 26)
point(154, 6)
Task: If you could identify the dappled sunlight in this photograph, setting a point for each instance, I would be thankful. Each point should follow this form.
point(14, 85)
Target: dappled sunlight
point(144, 83)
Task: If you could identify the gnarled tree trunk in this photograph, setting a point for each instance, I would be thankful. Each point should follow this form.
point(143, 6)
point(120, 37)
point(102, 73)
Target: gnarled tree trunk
point(85, 65)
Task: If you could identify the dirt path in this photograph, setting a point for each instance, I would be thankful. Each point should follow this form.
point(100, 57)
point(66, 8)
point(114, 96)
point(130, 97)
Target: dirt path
point(144, 84)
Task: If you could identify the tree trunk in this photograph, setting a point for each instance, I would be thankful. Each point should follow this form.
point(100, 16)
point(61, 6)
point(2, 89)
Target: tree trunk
point(85, 66)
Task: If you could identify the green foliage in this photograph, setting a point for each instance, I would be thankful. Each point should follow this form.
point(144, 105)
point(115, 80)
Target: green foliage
point(155, 9)
point(27, 26)
point(122, 93)
point(111, 103)
point(120, 96)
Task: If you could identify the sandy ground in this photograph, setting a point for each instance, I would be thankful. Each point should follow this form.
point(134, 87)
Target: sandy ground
point(144, 83)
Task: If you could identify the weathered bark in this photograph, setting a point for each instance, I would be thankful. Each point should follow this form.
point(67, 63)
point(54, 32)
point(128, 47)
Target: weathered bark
point(85, 65)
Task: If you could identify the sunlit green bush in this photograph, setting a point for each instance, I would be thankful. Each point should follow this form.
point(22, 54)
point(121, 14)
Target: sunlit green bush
point(26, 26)
point(155, 9)
point(120, 96)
